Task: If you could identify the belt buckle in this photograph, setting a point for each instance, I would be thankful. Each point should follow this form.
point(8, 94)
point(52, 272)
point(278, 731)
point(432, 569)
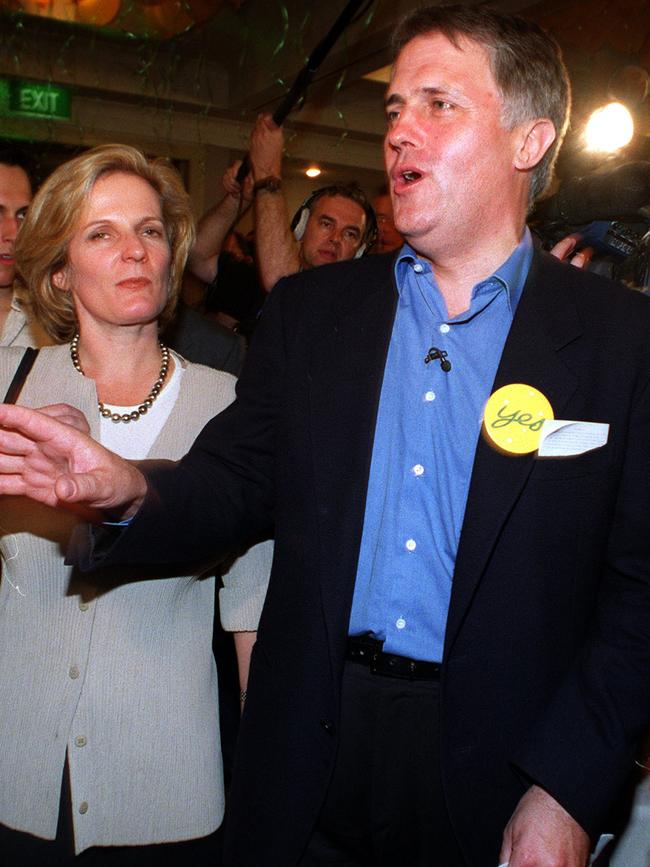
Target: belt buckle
point(388, 665)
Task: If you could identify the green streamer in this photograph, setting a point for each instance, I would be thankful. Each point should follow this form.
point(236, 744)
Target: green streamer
point(285, 30)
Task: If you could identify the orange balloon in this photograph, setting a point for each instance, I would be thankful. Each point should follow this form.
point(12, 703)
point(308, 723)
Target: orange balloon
point(97, 12)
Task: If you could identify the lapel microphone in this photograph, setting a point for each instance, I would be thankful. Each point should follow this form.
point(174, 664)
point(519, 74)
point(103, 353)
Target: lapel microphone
point(435, 354)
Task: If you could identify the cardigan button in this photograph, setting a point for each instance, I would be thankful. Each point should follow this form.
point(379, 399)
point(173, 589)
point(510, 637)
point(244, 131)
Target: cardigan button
point(328, 725)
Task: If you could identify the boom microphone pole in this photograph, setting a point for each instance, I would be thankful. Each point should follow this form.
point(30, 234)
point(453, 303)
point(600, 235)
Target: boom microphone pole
point(306, 74)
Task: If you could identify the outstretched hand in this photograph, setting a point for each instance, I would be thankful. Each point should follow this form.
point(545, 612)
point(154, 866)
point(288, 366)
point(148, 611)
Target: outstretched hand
point(48, 460)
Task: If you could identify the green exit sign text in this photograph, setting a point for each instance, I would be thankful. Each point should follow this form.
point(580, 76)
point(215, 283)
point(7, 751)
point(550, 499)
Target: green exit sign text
point(33, 99)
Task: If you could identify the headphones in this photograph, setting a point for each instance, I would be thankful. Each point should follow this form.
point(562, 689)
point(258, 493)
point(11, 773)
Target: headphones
point(301, 217)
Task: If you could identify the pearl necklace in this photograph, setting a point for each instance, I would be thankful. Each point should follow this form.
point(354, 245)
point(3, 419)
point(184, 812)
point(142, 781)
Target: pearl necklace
point(146, 404)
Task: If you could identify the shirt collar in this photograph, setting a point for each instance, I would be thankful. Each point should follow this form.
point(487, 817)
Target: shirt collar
point(511, 274)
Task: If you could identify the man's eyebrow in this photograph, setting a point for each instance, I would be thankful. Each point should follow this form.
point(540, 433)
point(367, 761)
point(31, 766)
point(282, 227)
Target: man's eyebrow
point(428, 91)
point(435, 91)
point(393, 99)
point(332, 219)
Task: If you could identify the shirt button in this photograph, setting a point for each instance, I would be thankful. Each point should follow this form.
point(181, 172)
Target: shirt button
point(83, 807)
point(411, 545)
point(444, 328)
point(400, 623)
point(418, 268)
point(80, 741)
point(429, 396)
point(83, 606)
point(73, 673)
point(417, 470)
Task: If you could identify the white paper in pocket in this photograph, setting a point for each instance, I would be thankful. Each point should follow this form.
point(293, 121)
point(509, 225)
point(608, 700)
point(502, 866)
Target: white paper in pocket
point(559, 438)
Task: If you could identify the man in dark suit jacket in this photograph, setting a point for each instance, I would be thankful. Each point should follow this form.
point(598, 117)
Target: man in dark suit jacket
point(204, 342)
point(509, 732)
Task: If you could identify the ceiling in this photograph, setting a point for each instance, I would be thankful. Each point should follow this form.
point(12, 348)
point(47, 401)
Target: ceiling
point(242, 60)
point(598, 39)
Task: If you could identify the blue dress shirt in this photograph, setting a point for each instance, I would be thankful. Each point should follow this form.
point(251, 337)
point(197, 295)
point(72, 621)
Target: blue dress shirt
point(427, 429)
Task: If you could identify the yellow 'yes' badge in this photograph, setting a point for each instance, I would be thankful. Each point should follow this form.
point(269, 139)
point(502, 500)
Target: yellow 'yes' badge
point(514, 416)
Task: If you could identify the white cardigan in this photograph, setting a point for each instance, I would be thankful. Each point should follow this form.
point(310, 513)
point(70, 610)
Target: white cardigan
point(118, 672)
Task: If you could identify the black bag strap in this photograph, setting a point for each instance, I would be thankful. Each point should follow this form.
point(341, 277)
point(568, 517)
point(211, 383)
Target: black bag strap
point(22, 371)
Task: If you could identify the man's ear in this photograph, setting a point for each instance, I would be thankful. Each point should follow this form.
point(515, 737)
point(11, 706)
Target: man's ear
point(537, 137)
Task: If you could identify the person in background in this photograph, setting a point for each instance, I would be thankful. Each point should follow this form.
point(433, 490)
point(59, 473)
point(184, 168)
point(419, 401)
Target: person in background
point(335, 223)
point(196, 338)
point(388, 238)
point(109, 707)
point(223, 261)
point(216, 224)
point(235, 297)
point(16, 327)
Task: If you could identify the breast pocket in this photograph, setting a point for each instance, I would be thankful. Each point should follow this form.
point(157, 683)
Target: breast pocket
point(574, 466)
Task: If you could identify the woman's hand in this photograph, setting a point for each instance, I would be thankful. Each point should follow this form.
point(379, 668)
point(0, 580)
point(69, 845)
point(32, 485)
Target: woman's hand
point(53, 462)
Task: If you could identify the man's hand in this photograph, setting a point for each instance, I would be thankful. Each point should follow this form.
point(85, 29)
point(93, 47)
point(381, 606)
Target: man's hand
point(265, 150)
point(542, 834)
point(50, 461)
point(564, 251)
point(241, 193)
point(68, 415)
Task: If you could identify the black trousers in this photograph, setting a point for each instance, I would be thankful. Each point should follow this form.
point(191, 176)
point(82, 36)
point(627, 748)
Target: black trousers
point(385, 805)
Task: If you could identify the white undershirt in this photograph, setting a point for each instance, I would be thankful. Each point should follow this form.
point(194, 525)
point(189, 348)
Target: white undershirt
point(133, 440)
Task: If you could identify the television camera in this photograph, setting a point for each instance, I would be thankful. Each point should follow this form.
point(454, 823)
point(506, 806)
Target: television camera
point(610, 212)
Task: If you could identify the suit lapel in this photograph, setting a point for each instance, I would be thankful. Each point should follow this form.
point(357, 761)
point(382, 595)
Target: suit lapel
point(346, 373)
point(545, 321)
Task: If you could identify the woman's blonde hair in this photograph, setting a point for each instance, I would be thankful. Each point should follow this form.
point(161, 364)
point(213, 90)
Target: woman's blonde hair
point(43, 241)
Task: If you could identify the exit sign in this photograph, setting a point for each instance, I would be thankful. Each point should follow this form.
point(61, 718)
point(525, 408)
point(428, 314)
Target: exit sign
point(34, 99)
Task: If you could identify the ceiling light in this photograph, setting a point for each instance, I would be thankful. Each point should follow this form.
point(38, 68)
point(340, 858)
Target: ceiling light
point(312, 172)
point(609, 128)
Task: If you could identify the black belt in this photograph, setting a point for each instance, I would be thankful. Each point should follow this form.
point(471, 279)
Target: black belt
point(368, 651)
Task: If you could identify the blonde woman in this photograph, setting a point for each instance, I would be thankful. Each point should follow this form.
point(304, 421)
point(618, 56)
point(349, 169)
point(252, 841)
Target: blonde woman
point(108, 683)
